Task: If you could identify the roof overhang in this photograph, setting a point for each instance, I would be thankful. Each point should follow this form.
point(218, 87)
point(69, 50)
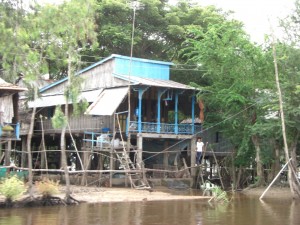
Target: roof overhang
point(59, 99)
point(142, 81)
point(107, 102)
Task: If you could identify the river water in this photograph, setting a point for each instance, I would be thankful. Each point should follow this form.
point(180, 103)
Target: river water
point(241, 210)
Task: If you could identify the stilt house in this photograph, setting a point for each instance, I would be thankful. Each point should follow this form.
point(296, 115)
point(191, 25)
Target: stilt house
point(9, 119)
point(133, 104)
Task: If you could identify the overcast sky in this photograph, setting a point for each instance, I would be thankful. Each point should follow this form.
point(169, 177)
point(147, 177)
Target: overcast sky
point(256, 14)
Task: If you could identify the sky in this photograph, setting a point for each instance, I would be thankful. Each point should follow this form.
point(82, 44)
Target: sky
point(257, 15)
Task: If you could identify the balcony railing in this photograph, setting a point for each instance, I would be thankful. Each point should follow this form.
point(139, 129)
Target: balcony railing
point(77, 124)
point(164, 128)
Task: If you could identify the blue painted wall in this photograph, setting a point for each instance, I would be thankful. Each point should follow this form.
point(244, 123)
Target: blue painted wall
point(142, 68)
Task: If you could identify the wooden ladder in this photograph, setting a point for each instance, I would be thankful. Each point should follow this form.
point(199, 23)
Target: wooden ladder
point(138, 178)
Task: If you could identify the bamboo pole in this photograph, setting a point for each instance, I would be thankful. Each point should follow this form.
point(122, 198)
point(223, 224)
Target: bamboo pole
point(260, 198)
point(215, 158)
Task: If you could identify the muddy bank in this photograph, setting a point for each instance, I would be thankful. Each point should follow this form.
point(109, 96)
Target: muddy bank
point(83, 194)
point(102, 194)
point(273, 192)
point(96, 194)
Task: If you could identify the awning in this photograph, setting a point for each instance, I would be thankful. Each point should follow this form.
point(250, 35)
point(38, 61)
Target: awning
point(107, 102)
point(59, 99)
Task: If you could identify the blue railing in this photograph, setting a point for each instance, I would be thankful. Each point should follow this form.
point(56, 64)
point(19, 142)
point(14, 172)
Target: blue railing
point(164, 128)
point(14, 133)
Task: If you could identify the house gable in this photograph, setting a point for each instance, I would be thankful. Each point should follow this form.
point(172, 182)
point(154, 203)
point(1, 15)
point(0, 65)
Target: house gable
point(142, 68)
point(101, 74)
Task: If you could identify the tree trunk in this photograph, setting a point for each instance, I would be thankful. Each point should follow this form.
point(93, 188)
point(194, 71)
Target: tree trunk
point(259, 165)
point(275, 167)
point(292, 180)
point(44, 162)
point(29, 157)
point(64, 163)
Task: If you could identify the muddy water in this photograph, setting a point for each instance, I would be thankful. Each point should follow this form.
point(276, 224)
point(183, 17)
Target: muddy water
point(241, 211)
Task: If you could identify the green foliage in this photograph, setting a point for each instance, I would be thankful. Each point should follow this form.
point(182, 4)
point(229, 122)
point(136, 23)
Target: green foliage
point(12, 188)
point(7, 128)
point(47, 187)
point(58, 120)
point(81, 107)
point(219, 195)
point(171, 116)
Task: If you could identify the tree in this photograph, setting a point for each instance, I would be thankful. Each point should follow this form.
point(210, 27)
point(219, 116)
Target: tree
point(12, 40)
point(235, 70)
point(21, 55)
point(286, 56)
point(71, 29)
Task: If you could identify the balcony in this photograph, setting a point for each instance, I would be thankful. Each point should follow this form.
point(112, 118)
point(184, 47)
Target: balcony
point(164, 128)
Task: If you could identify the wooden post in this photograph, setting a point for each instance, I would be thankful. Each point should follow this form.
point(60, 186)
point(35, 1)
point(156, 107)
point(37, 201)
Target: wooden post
point(139, 158)
point(24, 153)
point(7, 153)
point(193, 156)
point(218, 168)
point(263, 194)
point(166, 156)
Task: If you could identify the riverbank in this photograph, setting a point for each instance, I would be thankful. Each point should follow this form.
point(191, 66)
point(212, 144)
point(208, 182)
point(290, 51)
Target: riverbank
point(273, 192)
point(84, 194)
point(102, 194)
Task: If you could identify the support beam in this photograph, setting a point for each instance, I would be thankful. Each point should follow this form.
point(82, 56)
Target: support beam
point(139, 157)
point(193, 156)
point(166, 156)
point(24, 152)
point(7, 153)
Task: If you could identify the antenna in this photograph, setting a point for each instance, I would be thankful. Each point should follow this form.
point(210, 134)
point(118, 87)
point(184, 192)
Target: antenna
point(134, 5)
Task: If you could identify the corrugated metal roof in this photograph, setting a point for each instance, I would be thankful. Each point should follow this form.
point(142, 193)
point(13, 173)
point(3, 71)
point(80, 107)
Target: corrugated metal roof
point(154, 82)
point(59, 99)
point(107, 102)
point(103, 61)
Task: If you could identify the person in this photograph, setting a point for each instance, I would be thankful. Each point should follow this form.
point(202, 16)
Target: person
point(199, 149)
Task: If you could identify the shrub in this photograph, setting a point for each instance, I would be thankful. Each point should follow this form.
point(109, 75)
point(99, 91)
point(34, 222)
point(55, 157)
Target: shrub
point(7, 128)
point(12, 188)
point(47, 187)
point(219, 195)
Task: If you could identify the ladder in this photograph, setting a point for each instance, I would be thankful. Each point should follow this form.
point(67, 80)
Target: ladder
point(137, 179)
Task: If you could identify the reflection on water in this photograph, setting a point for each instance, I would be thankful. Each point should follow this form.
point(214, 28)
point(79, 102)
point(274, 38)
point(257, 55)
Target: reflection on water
point(241, 211)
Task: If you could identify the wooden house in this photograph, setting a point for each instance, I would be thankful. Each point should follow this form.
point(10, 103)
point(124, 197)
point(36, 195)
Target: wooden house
point(133, 103)
point(9, 119)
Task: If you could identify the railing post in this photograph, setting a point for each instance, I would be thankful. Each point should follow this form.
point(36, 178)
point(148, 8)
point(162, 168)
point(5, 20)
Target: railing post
point(140, 111)
point(176, 113)
point(18, 130)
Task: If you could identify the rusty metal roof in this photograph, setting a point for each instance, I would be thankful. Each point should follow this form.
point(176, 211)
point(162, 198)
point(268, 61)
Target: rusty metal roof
point(10, 87)
point(154, 82)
